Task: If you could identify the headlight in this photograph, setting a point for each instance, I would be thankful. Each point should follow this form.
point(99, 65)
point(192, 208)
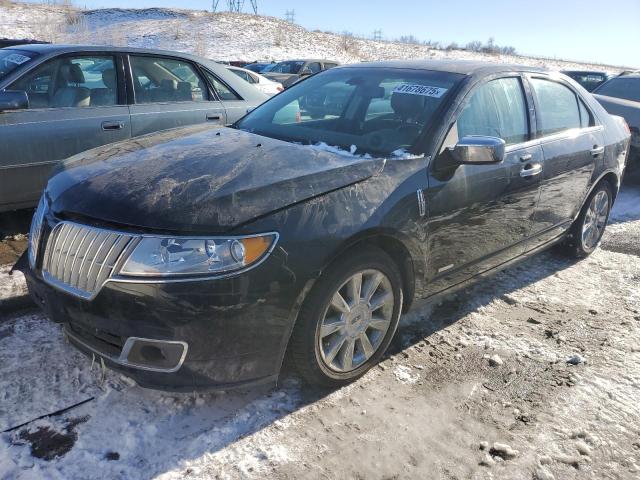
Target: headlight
point(165, 256)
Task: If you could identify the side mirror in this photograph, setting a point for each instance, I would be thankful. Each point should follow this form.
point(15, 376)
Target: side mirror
point(478, 150)
point(13, 100)
point(306, 71)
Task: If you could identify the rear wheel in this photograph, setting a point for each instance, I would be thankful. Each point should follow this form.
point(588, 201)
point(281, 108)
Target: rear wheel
point(587, 231)
point(348, 320)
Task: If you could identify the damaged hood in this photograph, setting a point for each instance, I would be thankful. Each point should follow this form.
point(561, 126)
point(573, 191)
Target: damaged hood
point(198, 179)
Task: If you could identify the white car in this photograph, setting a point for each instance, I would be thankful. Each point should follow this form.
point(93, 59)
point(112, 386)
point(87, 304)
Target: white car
point(261, 83)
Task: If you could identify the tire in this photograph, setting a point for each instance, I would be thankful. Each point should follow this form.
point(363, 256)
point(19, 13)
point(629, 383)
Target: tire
point(316, 349)
point(586, 232)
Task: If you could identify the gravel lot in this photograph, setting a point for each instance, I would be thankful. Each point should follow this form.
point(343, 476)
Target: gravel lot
point(531, 374)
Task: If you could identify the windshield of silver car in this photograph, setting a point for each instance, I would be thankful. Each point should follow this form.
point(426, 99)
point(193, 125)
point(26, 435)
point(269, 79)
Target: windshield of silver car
point(374, 111)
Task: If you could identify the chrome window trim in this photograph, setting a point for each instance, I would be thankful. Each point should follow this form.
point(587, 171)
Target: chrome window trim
point(128, 345)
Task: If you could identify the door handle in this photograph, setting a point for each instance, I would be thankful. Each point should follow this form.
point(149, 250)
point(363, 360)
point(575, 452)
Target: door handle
point(213, 117)
point(112, 126)
point(531, 170)
point(597, 151)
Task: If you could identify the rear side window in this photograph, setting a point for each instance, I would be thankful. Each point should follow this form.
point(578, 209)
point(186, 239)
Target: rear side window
point(586, 119)
point(314, 67)
point(496, 109)
point(224, 92)
point(627, 88)
point(84, 81)
point(163, 80)
point(557, 108)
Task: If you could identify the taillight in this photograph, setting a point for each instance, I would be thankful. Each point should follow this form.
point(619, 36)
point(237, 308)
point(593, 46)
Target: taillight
point(626, 127)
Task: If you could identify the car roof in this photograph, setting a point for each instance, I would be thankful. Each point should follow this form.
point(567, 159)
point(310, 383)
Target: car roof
point(56, 48)
point(309, 60)
point(600, 72)
point(464, 67)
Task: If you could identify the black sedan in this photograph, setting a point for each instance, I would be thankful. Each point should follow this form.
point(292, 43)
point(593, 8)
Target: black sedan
point(198, 258)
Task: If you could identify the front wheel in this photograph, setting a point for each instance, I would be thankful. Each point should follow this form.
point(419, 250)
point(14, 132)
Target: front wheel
point(587, 231)
point(348, 320)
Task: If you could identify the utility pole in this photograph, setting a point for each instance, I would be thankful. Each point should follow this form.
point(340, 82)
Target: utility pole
point(235, 5)
point(291, 16)
point(377, 35)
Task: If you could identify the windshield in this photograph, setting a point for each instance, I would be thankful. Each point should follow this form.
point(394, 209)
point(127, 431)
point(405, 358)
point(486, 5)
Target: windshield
point(627, 88)
point(287, 67)
point(11, 59)
point(363, 110)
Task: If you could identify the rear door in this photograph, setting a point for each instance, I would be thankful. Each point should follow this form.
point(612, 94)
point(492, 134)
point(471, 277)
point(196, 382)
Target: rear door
point(572, 143)
point(479, 215)
point(235, 106)
point(168, 93)
point(76, 102)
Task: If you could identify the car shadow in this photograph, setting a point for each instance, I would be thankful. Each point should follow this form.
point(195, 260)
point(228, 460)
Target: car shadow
point(170, 430)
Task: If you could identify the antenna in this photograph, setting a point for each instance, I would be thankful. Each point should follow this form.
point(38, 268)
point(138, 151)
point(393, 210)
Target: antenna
point(291, 16)
point(377, 35)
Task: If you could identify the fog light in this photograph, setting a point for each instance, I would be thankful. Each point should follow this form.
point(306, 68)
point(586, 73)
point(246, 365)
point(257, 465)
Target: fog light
point(154, 355)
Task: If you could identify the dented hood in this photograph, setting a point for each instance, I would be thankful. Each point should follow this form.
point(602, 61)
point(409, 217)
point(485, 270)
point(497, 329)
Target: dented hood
point(198, 179)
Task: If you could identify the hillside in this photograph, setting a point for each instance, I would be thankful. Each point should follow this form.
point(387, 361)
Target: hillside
point(220, 36)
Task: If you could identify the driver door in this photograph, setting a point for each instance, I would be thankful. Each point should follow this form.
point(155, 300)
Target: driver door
point(479, 215)
point(76, 102)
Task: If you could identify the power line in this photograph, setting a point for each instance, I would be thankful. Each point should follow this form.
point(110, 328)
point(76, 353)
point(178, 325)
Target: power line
point(291, 16)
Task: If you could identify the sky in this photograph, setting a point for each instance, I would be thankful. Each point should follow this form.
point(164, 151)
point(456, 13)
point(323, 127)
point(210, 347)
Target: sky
point(586, 30)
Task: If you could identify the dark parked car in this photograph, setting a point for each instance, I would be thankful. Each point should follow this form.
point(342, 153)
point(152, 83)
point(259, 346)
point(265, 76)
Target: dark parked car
point(589, 80)
point(258, 67)
point(621, 96)
point(196, 258)
point(56, 101)
point(291, 71)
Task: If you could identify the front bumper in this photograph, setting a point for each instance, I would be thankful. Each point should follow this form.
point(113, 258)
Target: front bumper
point(235, 329)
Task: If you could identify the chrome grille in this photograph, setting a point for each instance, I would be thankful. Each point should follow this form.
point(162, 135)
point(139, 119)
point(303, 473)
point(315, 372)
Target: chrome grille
point(79, 259)
point(35, 232)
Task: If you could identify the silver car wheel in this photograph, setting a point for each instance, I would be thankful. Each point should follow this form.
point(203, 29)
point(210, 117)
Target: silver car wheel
point(356, 321)
point(595, 220)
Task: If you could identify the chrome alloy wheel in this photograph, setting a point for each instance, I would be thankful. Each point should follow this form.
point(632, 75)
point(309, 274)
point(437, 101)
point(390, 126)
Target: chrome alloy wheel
point(595, 220)
point(356, 321)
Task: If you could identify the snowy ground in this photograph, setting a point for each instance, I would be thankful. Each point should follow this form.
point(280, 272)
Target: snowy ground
point(221, 36)
point(489, 364)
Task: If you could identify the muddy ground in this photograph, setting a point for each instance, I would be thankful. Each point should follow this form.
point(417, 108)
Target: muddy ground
point(531, 374)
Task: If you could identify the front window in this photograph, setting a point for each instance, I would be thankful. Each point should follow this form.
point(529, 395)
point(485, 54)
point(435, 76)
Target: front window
point(287, 67)
point(362, 110)
point(11, 59)
point(83, 81)
point(496, 109)
point(627, 88)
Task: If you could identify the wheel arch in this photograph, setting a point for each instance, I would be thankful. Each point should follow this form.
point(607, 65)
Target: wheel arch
point(397, 249)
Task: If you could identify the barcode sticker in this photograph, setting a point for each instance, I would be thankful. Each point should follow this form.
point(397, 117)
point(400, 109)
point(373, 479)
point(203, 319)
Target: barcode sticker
point(17, 58)
point(423, 90)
